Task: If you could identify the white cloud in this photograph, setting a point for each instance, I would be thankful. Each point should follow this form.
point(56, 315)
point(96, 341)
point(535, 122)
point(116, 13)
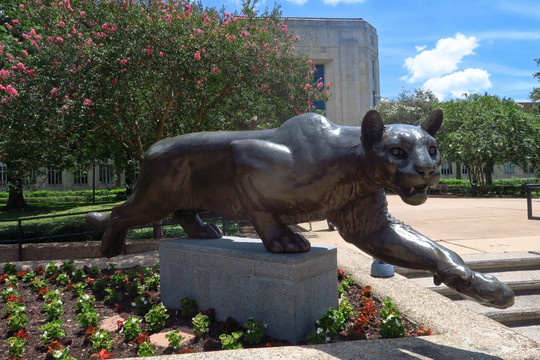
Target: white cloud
point(441, 60)
point(337, 2)
point(458, 83)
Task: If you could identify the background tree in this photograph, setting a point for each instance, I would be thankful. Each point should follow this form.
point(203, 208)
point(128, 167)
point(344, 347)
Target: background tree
point(133, 72)
point(535, 93)
point(410, 107)
point(483, 130)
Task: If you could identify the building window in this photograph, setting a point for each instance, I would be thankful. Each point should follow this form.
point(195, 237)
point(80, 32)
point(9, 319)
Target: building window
point(446, 168)
point(509, 168)
point(106, 175)
point(529, 170)
point(54, 176)
point(3, 174)
point(80, 176)
point(318, 75)
point(31, 178)
point(464, 169)
point(373, 82)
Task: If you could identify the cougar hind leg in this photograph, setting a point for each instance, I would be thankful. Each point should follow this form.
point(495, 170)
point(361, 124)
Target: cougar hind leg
point(195, 227)
point(137, 210)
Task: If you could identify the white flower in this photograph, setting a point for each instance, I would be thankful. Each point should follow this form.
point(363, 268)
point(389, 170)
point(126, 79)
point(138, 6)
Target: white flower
point(319, 330)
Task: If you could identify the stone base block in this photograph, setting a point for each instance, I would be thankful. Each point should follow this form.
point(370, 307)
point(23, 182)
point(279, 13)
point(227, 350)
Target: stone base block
point(239, 278)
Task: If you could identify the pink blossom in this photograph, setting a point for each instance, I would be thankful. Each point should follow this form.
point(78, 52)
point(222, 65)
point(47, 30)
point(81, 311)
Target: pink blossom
point(4, 73)
point(328, 85)
point(34, 43)
point(8, 26)
point(11, 90)
point(244, 34)
point(73, 70)
point(276, 40)
point(197, 55)
point(21, 6)
point(2, 47)
point(15, 22)
point(161, 54)
point(199, 32)
point(54, 92)
point(82, 13)
point(114, 81)
point(149, 51)
point(59, 40)
point(319, 85)
point(215, 70)
point(87, 102)
point(105, 27)
point(61, 24)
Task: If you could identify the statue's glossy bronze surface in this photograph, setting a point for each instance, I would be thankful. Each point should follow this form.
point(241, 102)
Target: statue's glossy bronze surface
point(307, 169)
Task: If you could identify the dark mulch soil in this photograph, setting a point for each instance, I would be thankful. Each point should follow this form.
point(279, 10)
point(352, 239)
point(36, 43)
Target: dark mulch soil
point(80, 347)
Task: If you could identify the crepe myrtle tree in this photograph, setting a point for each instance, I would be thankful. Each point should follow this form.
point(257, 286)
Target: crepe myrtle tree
point(410, 107)
point(144, 70)
point(535, 93)
point(480, 131)
point(78, 75)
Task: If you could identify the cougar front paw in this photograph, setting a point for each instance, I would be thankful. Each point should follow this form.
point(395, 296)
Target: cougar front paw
point(290, 243)
point(485, 289)
point(209, 231)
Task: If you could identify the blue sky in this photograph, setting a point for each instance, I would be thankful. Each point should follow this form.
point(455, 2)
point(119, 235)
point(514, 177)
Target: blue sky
point(447, 46)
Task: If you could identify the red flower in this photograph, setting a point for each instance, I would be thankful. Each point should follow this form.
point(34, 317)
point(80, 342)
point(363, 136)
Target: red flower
point(104, 354)
point(120, 324)
point(21, 334)
point(42, 292)
point(142, 338)
point(90, 331)
point(53, 346)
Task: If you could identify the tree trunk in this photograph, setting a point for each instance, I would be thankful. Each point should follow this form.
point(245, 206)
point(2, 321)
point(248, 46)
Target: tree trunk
point(15, 199)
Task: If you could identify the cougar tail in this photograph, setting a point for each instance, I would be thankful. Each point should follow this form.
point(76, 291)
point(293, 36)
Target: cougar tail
point(97, 220)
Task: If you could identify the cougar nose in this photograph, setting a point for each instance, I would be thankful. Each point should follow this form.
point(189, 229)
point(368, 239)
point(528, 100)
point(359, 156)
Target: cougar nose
point(425, 171)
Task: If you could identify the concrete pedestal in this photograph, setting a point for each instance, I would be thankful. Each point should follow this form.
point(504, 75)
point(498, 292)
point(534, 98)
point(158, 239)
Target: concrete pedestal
point(239, 278)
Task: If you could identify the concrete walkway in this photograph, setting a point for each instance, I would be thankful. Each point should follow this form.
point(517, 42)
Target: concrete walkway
point(464, 225)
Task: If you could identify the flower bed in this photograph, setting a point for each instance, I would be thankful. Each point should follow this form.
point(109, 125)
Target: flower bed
point(59, 312)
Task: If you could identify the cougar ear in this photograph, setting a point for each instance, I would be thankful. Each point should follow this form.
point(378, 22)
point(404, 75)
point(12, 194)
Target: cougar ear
point(372, 129)
point(433, 122)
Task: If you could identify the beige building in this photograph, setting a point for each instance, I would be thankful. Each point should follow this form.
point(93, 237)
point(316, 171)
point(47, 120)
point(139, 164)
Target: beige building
point(346, 54)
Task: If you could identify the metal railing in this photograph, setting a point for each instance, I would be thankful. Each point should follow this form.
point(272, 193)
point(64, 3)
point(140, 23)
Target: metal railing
point(20, 240)
point(530, 188)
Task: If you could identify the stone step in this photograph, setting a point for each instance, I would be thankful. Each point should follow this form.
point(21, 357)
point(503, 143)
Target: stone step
point(521, 280)
point(489, 263)
point(531, 331)
point(526, 309)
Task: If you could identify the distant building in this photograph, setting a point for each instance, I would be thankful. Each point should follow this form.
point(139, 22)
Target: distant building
point(508, 170)
point(99, 177)
point(346, 54)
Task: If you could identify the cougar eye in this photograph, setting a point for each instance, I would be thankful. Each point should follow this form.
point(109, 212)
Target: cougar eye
point(398, 153)
point(432, 150)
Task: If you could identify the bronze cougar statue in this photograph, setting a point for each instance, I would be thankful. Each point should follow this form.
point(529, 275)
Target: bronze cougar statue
point(307, 169)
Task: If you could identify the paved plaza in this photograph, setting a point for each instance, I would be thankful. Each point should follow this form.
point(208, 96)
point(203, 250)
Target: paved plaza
point(464, 225)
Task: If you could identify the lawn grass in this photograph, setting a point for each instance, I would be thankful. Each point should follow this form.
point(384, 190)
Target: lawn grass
point(60, 203)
